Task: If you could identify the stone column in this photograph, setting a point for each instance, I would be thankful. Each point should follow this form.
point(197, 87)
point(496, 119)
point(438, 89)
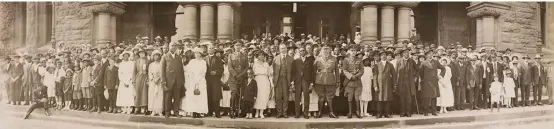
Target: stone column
point(387, 24)
point(206, 22)
point(403, 32)
point(191, 21)
point(106, 13)
point(237, 21)
point(485, 14)
point(32, 26)
point(224, 21)
point(369, 24)
point(104, 30)
point(113, 29)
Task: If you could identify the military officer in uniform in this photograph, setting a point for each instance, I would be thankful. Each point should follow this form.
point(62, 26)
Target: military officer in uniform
point(353, 70)
point(326, 79)
point(238, 64)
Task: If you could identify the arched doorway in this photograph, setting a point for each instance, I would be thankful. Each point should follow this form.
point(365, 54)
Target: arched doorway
point(444, 23)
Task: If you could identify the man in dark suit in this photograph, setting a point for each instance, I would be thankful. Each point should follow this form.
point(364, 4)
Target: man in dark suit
point(406, 75)
point(454, 80)
point(282, 69)
point(383, 85)
point(526, 80)
point(172, 80)
point(15, 71)
point(475, 73)
point(462, 83)
point(303, 76)
point(237, 65)
point(110, 82)
point(498, 68)
point(98, 79)
point(213, 79)
point(539, 80)
point(487, 77)
point(430, 83)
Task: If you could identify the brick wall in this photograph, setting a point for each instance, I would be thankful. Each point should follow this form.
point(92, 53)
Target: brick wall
point(73, 24)
point(518, 26)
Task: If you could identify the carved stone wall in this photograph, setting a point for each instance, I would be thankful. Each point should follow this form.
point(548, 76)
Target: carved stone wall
point(73, 24)
point(7, 26)
point(453, 23)
point(518, 27)
point(137, 20)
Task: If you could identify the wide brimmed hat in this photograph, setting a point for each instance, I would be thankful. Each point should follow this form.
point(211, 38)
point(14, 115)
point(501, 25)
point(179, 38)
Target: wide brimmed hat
point(538, 56)
point(156, 52)
point(126, 52)
point(197, 49)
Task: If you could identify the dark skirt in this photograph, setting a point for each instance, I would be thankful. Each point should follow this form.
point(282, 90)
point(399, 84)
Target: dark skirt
point(59, 89)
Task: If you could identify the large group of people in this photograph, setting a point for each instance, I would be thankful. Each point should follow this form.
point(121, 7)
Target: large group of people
point(274, 76)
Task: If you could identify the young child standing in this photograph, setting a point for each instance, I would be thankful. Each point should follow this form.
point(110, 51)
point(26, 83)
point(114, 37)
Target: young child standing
point(68, 88)
point(249, 95)
point(77, 94)
point(496, 93)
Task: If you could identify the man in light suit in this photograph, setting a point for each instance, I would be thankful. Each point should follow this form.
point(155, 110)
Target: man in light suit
point(282, 69)
point(172, 80)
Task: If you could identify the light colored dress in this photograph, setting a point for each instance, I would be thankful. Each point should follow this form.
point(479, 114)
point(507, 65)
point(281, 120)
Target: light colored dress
point(155, 91)
point(271, 103)
point(195, 78)
point(509, 86)
point(496, 91)
point(366, 84)
point(126, 90)
point(261, 72)
point(226, 94)
point(50, 82)
point(314, 99)
point(446, 98)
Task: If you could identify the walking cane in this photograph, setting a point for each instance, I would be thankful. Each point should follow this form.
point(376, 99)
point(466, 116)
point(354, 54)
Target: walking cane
point(417, 105)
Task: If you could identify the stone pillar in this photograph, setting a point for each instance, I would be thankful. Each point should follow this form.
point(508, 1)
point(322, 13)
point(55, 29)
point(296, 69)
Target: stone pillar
point(104, 30)
point(549, 17)
point(106, 14)
point(479, 33)
point(8, 26)
point(485, 14)
point(206, 22)
point(488, 32)
point(179, 24)
point(113, 29)
point(32, 26)
point(403, 32)
point(369, 24)
point(191, 21)
point(224, 21)
point(387, 24)
point(237, 21)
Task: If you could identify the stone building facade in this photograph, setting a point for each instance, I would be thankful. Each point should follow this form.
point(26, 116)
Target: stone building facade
point(521, 26)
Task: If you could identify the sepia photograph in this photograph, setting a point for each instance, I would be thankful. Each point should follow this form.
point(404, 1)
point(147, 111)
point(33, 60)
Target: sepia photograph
point(276, 64)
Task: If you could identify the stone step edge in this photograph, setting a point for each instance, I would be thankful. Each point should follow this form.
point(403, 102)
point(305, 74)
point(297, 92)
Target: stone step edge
point(485, 124)
point(101, 123)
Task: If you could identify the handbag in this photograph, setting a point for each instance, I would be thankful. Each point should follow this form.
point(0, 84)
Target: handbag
point(196, 90)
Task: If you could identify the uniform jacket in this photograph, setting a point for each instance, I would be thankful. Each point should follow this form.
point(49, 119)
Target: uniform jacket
point(237, 65)
point(355, 67)
point(327, 71)
point(172, 71)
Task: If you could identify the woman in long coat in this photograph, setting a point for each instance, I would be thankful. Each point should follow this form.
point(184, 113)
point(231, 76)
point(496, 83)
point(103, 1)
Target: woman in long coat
point(126, 89)
point(195, 81)
point(140, 82)
point(155, 91)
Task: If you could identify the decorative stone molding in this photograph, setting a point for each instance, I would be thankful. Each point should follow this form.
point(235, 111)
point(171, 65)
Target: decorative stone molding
point(397, 4)
point(117, 8)
point(487, 9)
point(234, 4)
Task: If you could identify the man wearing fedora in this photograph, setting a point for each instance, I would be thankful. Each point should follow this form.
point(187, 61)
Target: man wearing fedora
point(526, 80)
point(539, 80)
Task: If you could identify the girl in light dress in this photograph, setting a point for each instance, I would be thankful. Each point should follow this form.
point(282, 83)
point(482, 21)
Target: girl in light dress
point(367, 77)
point(509, 85)
point(496, 93)
point(126, 89)
point(226, 93)
point(446, 98)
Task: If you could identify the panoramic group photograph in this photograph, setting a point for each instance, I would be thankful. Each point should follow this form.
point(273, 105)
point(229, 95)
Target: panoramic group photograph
point(276, 64)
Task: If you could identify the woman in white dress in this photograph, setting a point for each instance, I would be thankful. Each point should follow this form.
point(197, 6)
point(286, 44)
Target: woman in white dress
point(367, 77)
point(126, 89)
point(261, 73)
point(155, 91)
point(446, 98)
point(196, 99)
